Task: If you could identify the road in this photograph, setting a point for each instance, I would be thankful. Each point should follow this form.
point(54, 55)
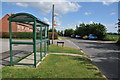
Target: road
point(104, 54)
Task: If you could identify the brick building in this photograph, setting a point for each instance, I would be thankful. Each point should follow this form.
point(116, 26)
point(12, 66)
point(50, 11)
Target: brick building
point(16, 27)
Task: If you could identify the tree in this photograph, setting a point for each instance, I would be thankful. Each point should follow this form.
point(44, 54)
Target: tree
point(59, 33)
point(69, 32)
point(118, 42)
point(50, 30)
point(97, 29)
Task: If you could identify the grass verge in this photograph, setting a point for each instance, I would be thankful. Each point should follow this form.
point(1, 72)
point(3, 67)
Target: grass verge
point(59, 49)
point(111, 38)
point(56, 66)
point(62, 38)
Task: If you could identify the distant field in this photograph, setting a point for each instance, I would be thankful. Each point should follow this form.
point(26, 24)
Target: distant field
point(112, 37)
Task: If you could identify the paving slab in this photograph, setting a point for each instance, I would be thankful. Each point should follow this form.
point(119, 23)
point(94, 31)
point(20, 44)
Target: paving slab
point(30, 59)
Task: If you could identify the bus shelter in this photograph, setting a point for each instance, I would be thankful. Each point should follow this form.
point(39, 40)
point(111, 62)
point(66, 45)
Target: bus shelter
point(29, 19)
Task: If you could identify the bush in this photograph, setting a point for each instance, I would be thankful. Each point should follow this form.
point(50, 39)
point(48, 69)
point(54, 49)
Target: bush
point(55, 35)
point(5, 35)
point(118, 42)
point(22, 35)
point(69, 32)
point(51, 30)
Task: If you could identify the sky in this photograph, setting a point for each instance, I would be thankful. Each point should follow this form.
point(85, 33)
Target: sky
point(68, 14)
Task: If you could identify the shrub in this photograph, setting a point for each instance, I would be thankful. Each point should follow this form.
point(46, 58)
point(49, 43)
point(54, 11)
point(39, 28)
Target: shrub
point(5, 34)
point(118, 42)
point(24, 35)
point(51, 30)
point(69, 32)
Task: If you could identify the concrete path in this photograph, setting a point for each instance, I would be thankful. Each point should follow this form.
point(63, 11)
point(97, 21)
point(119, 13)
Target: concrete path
point(70, 54)
point(103, 53)
point(30, 60)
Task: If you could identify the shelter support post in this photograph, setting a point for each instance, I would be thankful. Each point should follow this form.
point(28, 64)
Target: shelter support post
point(10, 40)
point(45, 42)
point(30, 20)
point(48, 38)
point(34, 41)
point(41, 43)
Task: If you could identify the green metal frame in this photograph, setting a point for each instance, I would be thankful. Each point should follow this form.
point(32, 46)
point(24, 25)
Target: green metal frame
point(35, 20)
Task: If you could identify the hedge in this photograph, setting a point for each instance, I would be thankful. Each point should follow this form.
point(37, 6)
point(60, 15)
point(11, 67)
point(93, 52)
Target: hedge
point(26, 35)
point(118, 42)
point(17, 35)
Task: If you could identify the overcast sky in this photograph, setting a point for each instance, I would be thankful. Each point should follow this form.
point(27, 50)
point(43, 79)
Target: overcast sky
point(68, 13)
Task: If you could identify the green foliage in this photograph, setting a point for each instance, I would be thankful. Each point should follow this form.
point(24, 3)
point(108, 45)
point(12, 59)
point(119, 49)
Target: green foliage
point(51, 30)
point(97, 29)
point(26, 35)
point(118, 42)
point(69, 32)
point(59, 33)
point(112, 33)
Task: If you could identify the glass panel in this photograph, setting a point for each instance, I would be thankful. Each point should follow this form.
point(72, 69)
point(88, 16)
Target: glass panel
point(23, 53)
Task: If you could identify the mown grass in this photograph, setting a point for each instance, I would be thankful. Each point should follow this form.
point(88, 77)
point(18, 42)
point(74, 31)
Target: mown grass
point(56, 66)
point(62, 38)
point(111, 38)
point(59, 49)
point(0, 73)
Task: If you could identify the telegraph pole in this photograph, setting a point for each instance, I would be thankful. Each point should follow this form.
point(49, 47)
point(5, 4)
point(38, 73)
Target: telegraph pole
point(118, 26)
point(52, 23)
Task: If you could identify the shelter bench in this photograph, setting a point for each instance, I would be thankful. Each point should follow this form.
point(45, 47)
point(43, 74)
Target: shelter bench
point(60, 43)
